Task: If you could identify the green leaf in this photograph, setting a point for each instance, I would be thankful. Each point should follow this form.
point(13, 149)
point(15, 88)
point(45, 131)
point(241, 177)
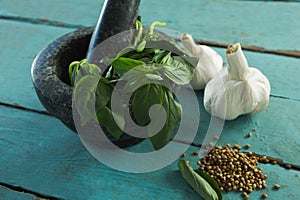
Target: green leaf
point(162, 57)
point(84, 94)
point(104, 114)
point(154, 77)
point(166, 59)
point(141, 46)
point(213, 183)
point(103, 92)
point(174, 111)
point(107, 119)
point(134, 79)
point(78, 69)
point(122, 65)
point(140, 75)
point(192, 61)
point(166, 45)
point(199, 184)
point(91, 69)
point(73, 69)
point(146, 53)
point(179, 71)
point(125, 51)
point(143, 99)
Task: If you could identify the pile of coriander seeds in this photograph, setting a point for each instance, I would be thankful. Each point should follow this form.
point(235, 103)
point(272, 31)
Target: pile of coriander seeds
point(233, 170)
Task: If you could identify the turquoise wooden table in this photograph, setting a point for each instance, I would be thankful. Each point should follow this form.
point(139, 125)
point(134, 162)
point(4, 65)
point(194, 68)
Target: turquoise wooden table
point(42, 159)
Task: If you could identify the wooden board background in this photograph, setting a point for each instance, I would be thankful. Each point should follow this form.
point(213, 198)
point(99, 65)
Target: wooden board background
point(40, 158)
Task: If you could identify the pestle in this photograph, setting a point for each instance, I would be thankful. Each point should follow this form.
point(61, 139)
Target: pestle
point(116, 16)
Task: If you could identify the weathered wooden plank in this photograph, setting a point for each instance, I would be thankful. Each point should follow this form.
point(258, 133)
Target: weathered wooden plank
point(49, 159)
point(276, 130)
point(289, 181)
point(68, 11)
point(38, 151)
point(267, 24)
point(7, 194)
point(271, 25)
point(17, 55)
point(20, 43)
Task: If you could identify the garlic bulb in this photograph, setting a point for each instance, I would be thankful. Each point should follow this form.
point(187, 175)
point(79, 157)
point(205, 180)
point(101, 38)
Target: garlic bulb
point(238, 89)
point(210, 62)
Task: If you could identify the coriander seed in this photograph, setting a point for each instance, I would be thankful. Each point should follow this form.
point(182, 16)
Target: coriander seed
point(288, 166)
point(276, 186)
point(248, 135)
point(233, 170)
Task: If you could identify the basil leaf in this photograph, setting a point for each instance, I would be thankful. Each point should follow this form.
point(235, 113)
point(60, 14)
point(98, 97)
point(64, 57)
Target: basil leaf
point(91, 69)
point(174, 111)
point(199, 184)
point(166, 45)
point(134, 79)
point(143, 98)
point(121, 65)
point(179, 71)
point(167, 59)
point(146, 53)
point(161, 57)
point(140, 74)
point(84, 93)
point(103, 92)
point(125, 51)
point(78, 69)
point(154, 77)
point(104, 114)
point(190, 60)
point(141, 46)
point(213, 183)
point(73, 70)
point(107, 119)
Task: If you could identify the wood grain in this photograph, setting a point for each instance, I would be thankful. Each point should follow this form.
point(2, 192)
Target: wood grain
point(276, 68)
point(7, 194)
point(17, 55)
point(276, 128)
point(37, 155)
point(40, 154)
point(272, 25)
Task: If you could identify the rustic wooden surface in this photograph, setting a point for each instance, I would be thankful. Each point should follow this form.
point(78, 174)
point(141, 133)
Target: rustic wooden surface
point(41, 158)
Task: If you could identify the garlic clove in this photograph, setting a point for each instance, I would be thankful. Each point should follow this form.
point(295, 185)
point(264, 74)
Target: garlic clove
point(238, 89)
point(237, 62)
point(210, 62)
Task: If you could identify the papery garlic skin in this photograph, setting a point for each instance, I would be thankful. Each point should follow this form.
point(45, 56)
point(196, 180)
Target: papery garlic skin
point(238, 89)
point(210, 62)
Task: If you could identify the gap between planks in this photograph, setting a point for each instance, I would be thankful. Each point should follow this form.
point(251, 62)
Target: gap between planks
point(41, 21)
point(288, 53)
point(19, 107)
point(43, 112)
point(48, 22)
point(24, 190)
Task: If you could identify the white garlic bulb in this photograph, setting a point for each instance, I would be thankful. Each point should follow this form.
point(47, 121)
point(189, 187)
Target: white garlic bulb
point(237, 89)
point(210, 62)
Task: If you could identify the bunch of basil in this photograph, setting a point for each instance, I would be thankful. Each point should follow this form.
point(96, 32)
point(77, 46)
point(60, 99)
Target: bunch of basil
point(152, 60)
